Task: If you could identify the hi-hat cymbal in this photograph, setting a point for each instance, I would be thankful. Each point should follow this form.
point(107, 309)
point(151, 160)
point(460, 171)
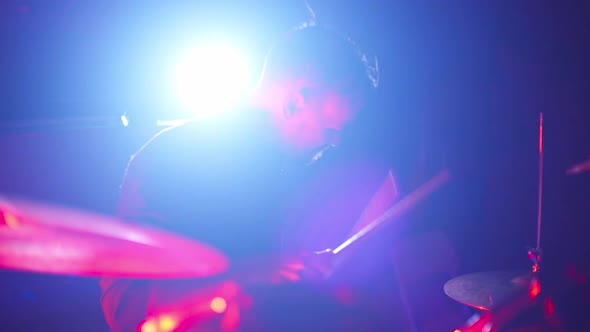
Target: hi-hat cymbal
point(485, 290)
point(44, 238)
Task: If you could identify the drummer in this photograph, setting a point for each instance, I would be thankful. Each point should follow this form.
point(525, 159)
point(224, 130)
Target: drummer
point(222, 180)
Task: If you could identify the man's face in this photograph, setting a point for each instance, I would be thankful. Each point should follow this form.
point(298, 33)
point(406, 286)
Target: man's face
point(316, 116)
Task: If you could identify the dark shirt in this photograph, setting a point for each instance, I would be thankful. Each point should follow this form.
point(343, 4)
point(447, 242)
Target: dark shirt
point(226, 182)
point(217, 182)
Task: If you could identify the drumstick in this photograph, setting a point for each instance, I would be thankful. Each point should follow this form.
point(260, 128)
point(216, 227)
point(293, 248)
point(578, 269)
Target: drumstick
point(396, 210)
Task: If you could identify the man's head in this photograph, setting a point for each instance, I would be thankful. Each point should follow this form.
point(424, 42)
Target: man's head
point(314, 83)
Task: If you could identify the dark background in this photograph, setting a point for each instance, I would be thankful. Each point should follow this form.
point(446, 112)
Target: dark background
point(463, 83)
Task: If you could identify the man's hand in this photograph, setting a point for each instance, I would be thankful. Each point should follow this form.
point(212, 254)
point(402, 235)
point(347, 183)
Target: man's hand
point(284, 269)
point(314, 266)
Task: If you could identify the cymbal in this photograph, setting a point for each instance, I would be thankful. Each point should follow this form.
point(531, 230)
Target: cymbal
point(485, 290)
point(44, 238)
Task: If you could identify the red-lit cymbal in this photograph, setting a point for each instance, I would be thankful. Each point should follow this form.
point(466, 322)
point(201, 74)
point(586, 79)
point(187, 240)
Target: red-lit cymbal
point(485, 290)
point(49, 239)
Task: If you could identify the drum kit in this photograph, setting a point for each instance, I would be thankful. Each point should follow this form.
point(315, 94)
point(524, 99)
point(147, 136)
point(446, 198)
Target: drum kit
point(44, 238)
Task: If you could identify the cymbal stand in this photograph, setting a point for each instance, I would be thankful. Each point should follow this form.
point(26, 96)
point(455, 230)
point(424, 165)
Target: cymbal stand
point(535, 253)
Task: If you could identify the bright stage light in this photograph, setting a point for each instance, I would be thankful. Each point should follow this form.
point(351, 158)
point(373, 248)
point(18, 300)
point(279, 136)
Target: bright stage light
point(212, 78)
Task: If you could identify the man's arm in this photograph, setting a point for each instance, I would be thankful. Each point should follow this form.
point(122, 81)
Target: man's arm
point(127, 302)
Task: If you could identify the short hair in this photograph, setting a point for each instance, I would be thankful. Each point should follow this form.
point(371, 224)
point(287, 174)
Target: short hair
point(332, 56)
